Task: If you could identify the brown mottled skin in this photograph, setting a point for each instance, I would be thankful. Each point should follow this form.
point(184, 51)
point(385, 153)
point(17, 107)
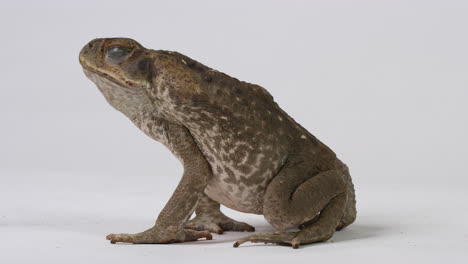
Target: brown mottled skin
point(237, 146)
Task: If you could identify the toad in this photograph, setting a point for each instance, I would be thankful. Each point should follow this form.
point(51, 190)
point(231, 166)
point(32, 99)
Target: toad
point(238, 148)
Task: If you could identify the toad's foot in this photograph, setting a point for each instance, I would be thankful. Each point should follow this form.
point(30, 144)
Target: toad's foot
point(153, 236)
point(286, 238)
point(275, 238)
point(218, 224)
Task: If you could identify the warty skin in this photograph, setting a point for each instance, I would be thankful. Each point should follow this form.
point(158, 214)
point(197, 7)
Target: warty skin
point(237, 146)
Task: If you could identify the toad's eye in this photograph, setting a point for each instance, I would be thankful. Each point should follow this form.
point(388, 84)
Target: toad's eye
point(116, 52)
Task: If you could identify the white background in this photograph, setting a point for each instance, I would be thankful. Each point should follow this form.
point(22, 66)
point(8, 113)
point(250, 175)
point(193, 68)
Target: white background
point(383, 83)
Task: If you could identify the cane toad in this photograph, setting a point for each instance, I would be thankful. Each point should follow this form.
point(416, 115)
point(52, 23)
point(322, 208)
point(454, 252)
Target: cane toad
point(237, 146)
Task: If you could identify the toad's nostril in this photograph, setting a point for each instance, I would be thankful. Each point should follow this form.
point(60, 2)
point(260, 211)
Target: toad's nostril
point(90, 45)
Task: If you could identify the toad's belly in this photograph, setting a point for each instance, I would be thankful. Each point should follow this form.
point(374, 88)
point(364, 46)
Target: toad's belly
point(242, 167)
point(241, 187)
point(237, 196)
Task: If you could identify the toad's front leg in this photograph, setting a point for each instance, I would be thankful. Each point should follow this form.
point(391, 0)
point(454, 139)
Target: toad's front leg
point(169, 227)
point(172, 219)
point(158, 236)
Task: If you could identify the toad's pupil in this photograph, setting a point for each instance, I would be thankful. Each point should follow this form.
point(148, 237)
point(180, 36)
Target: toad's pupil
point(117, 51)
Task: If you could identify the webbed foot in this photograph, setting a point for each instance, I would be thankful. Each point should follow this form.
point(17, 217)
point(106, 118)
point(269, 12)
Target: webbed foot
point(295, 239)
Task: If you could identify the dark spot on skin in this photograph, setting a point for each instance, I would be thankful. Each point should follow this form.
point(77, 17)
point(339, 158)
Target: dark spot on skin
point(144, 66)
point(251, 159)
point(244, 169)
point(219, 170)
point(207, 77)
point(260, 188)
point(238, 91)
point(191, 63)
point(231, 177)
point(150, 126)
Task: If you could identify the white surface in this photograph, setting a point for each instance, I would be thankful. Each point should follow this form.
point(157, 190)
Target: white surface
point(384, 83)
point(68, 225)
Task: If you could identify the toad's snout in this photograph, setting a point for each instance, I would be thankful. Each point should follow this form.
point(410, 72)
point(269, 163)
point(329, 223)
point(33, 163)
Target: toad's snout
point(90, 50)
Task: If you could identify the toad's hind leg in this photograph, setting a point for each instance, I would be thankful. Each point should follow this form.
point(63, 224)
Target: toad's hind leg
point(320, 230)
point(292, 200)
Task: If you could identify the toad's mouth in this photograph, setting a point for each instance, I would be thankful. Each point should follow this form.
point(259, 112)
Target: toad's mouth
point(94, 75)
